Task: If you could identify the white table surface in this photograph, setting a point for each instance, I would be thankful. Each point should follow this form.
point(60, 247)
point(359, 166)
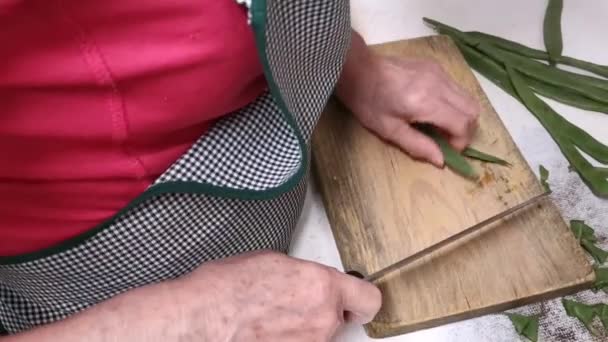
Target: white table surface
point(584, 28)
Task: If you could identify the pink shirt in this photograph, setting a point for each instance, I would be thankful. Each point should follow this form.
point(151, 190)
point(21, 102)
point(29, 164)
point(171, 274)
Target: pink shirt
point(98, 98)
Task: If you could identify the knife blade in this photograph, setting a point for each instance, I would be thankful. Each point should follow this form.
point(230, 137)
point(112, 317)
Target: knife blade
point(455, 237)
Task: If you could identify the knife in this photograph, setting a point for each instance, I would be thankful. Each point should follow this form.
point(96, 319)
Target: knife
point(455, 237)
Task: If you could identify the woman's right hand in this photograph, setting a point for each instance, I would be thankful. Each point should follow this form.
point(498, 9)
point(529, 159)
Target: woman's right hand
point(259, 296)
point(266, 296)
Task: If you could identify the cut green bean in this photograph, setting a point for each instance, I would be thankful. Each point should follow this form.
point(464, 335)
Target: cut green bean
point(598, 254)
point(452, 158)
point(525, 326)
point(552, 30)
point(582, 231)
point(602, 313)
point(586, 238)
point(544, 177)
point(601, 279)
point(583, 312)
point(475, 154)
point(525, 51)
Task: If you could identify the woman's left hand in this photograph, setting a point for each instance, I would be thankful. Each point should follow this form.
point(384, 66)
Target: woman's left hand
point(390, 94)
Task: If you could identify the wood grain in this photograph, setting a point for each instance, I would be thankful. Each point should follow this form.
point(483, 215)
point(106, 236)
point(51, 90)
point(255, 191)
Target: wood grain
point(384, 206)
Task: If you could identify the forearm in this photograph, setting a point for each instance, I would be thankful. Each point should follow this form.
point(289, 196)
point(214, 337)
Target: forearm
point(359, 63)
point(138, 315)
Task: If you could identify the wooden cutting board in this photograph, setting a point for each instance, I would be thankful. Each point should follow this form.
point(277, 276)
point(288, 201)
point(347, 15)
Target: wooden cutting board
point(384, 206)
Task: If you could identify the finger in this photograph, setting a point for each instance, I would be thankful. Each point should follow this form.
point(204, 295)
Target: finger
point(447, 118)
point(458, 98)
point(361, 299)
point(415, 143)
point(466, 129)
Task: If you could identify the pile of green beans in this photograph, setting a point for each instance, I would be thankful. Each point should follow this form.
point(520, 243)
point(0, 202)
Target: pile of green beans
point(520, 72)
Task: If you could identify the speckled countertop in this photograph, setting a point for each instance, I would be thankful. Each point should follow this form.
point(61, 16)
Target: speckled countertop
point(585, 28)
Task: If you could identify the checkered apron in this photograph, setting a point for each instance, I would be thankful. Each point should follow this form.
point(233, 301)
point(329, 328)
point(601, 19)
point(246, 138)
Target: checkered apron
point(239, 188)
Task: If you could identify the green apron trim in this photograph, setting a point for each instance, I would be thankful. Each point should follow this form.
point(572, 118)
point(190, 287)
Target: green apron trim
point(163, 188)
point(259, 18)
point(259, 21)
point(3, 331)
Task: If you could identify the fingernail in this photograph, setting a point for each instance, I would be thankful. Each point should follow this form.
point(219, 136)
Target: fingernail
point(438, 161)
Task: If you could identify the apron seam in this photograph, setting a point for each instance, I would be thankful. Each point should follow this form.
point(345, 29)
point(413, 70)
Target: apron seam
point(115, 101)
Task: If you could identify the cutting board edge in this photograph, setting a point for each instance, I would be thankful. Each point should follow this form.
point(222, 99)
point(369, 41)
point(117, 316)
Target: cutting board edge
point(390, 330)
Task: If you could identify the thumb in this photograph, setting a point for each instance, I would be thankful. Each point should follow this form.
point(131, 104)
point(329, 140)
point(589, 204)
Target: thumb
point(416, 143)
point(361, 300)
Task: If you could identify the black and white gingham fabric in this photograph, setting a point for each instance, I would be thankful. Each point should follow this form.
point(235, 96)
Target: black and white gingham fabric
point(253, 150)
point(166, 237)
point(171, 233)
point(306, 85)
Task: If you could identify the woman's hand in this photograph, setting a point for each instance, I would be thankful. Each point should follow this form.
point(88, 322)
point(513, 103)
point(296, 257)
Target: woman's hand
point(389, 94)
point(258, 296)
point(270, 297)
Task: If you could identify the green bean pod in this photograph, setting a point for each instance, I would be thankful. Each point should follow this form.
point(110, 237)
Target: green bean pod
point(566, 96)
point(497, 74)
point(579, 98)
point(552, 30)
point(509, 45)
point(487, 67)
point(525, 51)
point(452, 31)
point(566, 138)
point(584, 85)
point(569, 137)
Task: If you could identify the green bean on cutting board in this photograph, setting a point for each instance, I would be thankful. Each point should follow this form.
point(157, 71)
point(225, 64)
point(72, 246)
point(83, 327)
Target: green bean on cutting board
point(452, 158)
point(475, 154)
point(552, 30)
point(455, 160)
point(525, 51)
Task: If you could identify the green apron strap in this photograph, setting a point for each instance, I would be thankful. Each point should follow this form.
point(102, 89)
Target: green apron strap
point(3, 331)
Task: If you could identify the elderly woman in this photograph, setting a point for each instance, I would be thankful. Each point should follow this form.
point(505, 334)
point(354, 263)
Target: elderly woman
point(155, 156)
